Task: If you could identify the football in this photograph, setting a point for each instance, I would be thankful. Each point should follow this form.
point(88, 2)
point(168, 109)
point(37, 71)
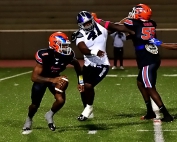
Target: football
point(62, 84)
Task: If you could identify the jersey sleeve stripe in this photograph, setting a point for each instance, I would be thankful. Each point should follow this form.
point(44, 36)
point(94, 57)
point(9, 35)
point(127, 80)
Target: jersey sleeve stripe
point(38, 59)
point(128, 22)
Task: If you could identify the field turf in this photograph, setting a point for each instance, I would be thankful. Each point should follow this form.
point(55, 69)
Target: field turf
point(118, 107)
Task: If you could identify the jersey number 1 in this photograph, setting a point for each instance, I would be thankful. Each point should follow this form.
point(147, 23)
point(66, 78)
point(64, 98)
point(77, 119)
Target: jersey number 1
point(147, 33)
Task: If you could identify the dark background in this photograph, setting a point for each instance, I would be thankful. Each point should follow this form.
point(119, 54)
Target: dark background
point(25, 25)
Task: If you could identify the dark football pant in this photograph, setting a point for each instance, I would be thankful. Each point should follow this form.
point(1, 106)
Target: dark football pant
point(93, 75)
point(38, 90)
point(148, 75)
point(118, 54)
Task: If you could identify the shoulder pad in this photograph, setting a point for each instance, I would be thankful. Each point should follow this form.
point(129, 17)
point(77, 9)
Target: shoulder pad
point(79, 35)
point(75, 35)
point(40, 54)
point(38, 57)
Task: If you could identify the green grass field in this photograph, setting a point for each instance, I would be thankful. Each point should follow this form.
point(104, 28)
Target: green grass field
point(117, 109)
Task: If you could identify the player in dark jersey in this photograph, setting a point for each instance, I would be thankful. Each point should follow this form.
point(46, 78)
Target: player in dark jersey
point(147, 57)
point(50, 63)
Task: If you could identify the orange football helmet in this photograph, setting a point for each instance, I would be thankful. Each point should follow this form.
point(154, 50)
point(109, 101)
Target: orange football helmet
point(141, 12)
point(59, 42)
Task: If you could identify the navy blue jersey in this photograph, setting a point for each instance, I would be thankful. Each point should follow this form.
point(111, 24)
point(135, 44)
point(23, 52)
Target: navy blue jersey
point(53, 62)
point(144, 30)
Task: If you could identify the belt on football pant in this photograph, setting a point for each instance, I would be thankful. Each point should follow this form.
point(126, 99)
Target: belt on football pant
point(139, 47)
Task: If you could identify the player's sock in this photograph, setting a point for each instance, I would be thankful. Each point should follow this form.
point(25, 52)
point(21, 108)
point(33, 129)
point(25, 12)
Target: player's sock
point(149, 106)
point(27, 126)
point(28, 123)
point(86, 113)
point(49, 118)
point(164, 110)
point(150, 113)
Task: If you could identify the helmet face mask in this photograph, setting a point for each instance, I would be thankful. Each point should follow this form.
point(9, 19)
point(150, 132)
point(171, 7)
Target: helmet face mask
point(60, 43)
point(85, 21)
point(132, 13)
point(141, 12)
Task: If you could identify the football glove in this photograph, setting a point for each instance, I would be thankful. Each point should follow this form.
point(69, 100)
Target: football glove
point(155, 41)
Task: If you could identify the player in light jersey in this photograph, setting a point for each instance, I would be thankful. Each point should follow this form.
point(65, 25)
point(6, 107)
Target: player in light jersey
point(91, 40)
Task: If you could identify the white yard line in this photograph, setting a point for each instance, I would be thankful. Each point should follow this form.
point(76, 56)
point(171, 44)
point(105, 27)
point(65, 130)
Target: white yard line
point(153, 130)
point(158, 133)
point(5, 78)
point(92, 132)
point(115, 75)
point(135, 75)
point(170, 75)
point(157, 124)
point(111, 75)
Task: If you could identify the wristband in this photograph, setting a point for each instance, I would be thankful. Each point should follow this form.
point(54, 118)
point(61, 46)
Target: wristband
point(81, 81)
point(94, 52)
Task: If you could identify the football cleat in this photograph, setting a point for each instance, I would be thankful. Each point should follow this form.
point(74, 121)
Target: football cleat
point(148, 116)
point(26, 131)
point(91, 116)
point(52, 126)
point(27, 126)
point(82, 118)
point(168, 118)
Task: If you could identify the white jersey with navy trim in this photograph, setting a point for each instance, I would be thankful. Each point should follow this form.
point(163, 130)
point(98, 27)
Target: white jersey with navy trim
point(95, 40)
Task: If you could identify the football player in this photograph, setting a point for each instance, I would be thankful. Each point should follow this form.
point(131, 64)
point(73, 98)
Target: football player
point(147, 56)
point(50, 63)
point(91, 40)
